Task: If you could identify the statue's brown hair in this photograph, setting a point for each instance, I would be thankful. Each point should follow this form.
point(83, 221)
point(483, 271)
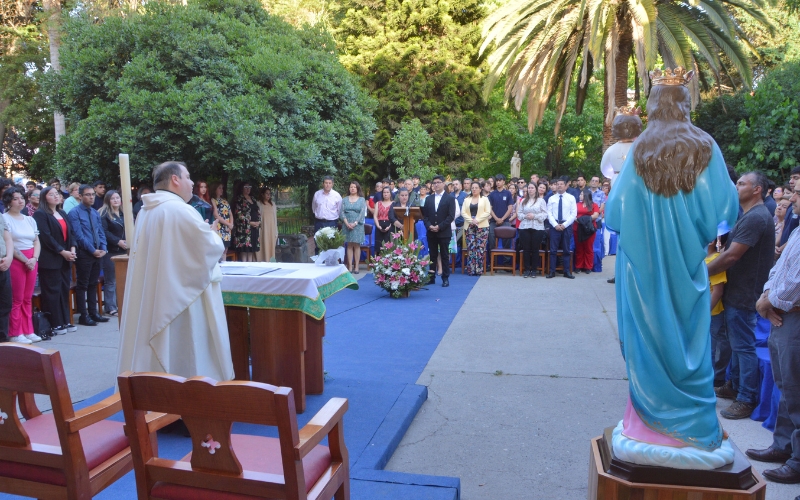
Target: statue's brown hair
point(626, 127)
point(671, 152)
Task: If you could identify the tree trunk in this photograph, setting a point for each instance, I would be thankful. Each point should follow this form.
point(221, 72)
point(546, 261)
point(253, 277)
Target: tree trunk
point(3, 105)
point(53, 8)
point(624, 51)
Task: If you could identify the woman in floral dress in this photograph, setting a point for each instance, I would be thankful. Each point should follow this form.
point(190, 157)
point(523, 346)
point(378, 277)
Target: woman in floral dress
point(222, 214)
point(476, 211)
point(247, 220)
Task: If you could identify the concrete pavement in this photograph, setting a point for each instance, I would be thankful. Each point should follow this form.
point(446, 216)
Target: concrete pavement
point(528, 372)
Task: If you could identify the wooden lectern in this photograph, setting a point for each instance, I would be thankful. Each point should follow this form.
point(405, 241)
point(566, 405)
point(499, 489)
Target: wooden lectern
point(414, 214)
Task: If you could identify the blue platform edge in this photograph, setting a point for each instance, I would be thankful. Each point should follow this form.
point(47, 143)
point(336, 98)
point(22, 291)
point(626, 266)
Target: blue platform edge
point(369, 480)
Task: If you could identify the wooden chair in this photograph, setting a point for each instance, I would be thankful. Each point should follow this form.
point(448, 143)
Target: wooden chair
point(63, 454)
point(231, 256)
point(292, 466)
point(367, 248)
point(501, 233)
point(544, 258)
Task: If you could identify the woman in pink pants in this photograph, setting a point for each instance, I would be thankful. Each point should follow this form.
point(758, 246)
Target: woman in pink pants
point(23, 269)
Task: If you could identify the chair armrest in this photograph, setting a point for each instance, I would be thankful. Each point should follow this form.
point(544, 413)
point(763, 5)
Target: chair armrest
point(157, 421)
point(315, 430)
point(95, 413)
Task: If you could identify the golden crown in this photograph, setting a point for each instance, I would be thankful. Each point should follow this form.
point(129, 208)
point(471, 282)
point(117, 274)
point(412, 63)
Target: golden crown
point(678, 76)
point(628, 110)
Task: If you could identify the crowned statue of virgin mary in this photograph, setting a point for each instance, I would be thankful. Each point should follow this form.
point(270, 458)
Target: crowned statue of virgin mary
point(671, 195)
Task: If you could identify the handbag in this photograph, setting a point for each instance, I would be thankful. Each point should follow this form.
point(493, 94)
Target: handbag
point(41, 325)
point(453, 246)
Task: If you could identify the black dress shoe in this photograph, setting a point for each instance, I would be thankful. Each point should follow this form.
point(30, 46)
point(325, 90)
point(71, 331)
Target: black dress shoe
point(86, 321)
point(783, 474)
point(445, 282)
point(569, 276)
point(612, 280)
point(551, 275)
point(587, 271)
point(768, 455)
point(98, 318)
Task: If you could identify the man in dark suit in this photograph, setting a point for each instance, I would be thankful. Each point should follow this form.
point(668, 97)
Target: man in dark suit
point(438, 213)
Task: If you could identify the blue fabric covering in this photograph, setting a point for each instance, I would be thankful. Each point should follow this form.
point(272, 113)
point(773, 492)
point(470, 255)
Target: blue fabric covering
point(761, 411)
point(599, 250)
point(422, 235)
point(376, 368)
point(663, 304)
point(763, 327)
point(612, 243)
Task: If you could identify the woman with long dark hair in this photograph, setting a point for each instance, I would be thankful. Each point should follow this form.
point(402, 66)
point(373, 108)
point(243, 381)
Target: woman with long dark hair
point(531, 213)
point(55, 260)
point(354, 211)
point(223, 215)
point(383, 213)
point(247, 220)
point(584, 249)
point(114, 228)
point(23, 268)
point(476, 211)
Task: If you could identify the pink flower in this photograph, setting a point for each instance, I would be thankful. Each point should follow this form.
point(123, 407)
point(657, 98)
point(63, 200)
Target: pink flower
point(385, 262)
point(412, 246)
point(409, 261)
point(388, 245)
point(395, 266)
point(381, 278)
point(403, 280)
point(398, 251)
point(396, 235)
point(415, 278)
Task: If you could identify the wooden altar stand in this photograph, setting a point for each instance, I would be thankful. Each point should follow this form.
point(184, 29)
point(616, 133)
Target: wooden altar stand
point(414, 214)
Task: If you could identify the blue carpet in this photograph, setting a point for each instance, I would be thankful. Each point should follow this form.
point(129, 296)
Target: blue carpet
point(375, 350)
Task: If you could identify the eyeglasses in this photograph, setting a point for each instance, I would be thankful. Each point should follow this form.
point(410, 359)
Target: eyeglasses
point(34, 195)
point(248, 187)
point(88, 194)
point(438, 182)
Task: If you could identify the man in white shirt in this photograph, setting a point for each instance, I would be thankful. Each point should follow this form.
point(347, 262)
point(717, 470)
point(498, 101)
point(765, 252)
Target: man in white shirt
point(326, 205)
point(562, 210)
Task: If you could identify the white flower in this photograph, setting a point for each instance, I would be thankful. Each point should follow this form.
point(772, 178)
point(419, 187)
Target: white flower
point(406, 271)
point(395, 284)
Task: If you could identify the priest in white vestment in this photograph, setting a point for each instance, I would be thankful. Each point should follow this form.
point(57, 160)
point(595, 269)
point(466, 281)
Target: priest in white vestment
point(173, 317)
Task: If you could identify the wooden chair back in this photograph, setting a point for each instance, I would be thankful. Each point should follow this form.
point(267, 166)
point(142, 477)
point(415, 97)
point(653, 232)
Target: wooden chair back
point(209, 409)
point(28, 370)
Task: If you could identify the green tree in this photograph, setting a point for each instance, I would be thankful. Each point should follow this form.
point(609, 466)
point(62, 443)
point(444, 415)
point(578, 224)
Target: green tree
point(720, 117)
point(544, 47)
point(222, 85)
point(411, 150)
point(770, 136)
point(418, 59)
point(26, 117)
point(576, 148)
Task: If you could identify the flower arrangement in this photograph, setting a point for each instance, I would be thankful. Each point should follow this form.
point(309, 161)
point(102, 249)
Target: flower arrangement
point(328, 238)
point(399, 268)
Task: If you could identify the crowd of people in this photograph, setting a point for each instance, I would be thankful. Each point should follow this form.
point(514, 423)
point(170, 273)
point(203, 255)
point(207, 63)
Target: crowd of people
point(559, 215)
point(60, 241)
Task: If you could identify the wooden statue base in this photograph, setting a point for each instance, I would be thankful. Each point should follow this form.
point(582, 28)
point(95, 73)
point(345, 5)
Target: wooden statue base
point(604, 485)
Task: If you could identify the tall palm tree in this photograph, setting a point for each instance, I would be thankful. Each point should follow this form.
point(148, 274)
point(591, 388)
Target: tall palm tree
point(538, 45)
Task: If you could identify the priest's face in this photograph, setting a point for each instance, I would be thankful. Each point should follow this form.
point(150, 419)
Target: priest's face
point(183, 186)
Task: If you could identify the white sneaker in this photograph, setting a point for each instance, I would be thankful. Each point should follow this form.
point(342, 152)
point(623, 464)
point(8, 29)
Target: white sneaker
point(33, 337)
point(59, 330)
point(20, 339)
point(71, 328)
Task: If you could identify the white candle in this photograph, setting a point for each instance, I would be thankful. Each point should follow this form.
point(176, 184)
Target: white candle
point(125, 193)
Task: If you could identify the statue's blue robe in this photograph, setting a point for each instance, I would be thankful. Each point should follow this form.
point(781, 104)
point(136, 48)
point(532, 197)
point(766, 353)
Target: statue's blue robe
point(663, 301)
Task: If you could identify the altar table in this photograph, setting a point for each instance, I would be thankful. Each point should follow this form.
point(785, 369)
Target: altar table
point(279, 317)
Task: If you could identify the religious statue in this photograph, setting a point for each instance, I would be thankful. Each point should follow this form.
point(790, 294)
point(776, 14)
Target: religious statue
point(516, 161)
point(672, 193)
point(626, 128)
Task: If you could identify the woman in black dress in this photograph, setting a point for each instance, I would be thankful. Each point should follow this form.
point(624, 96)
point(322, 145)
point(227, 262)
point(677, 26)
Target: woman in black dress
point(247, 221)
point(55, 260)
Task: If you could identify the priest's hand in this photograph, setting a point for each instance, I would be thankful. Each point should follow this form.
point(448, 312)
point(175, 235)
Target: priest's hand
point(768, 311)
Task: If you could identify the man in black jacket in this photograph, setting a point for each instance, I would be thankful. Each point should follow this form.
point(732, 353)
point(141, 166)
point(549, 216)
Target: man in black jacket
point(438, 213)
